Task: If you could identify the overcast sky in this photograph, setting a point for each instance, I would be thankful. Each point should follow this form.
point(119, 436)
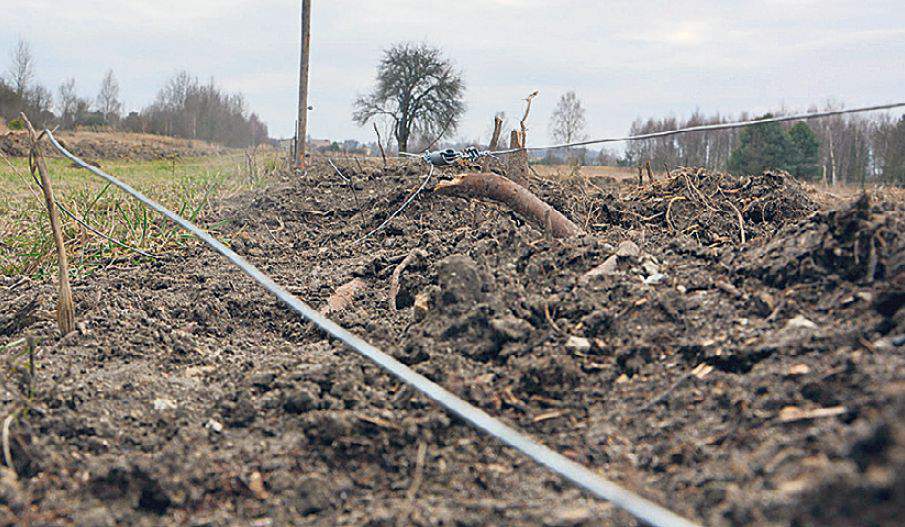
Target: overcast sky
point(625, 59)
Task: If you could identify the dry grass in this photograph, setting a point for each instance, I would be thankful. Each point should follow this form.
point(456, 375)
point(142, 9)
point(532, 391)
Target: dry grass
point(570, 171)
point(188, 186)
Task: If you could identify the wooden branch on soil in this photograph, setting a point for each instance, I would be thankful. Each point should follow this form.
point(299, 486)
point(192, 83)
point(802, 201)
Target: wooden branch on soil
point(503, 190)
point(343, 296)
point(65, 305)
point(397, 274)
point(383, 153)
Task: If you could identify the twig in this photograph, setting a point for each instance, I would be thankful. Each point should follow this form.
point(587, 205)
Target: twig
point(348, 180)
point(412, 492)
point(7, 454)
point(402, 208)
point(523, 123)
point(741, 220)
point(383, 153)
point(65, 306)
point(397, 274)
point(669, 209)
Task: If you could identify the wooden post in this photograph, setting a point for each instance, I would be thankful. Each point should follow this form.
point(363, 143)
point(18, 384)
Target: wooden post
point(497, 130)
point(517, 167)
point(65, 305)
point(302, 135)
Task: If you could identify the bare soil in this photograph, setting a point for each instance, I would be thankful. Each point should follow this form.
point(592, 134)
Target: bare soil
point(755, 383)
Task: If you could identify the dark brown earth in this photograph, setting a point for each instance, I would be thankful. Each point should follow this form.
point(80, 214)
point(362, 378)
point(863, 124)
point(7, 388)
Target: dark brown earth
point(760, 383)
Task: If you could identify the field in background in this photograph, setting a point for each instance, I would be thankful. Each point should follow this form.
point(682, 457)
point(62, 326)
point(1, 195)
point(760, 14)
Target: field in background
point(188, 186)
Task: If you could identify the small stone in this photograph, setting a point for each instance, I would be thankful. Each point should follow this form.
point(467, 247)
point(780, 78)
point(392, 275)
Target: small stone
point(800, 322)
point(214, 425)
point(655, 279)
point(162, 405)
point(799, 369)
point(650, 268)
point(681, 289)
point(628, 249)
point(511, 328)
point(313, 495)
point(610, 266)
point(578, 344)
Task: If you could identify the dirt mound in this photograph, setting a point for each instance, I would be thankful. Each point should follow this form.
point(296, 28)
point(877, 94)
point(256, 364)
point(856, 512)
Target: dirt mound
point(862, 243)
point(716, 208)
point(113, 145)
point(190, 397)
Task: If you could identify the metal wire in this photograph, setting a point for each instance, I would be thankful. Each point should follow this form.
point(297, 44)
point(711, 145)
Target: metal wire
point(400, 209)
point(705, 128)
point(645, 510)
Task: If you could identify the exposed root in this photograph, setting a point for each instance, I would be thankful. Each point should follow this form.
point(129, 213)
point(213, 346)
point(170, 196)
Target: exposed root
point(513, 195)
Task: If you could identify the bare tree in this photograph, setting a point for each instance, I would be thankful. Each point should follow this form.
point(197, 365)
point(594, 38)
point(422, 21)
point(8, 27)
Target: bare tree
point(418, 91)
point(21, 70)
point(108, 102)
point(70, 106)
point(568, 119)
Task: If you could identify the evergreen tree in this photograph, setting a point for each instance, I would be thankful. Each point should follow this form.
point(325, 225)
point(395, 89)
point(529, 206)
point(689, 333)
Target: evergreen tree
point(761, 147)
point(805, 159)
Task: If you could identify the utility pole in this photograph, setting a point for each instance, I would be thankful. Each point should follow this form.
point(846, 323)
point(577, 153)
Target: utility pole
point(302, 134)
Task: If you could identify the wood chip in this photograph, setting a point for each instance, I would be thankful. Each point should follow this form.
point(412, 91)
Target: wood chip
point(256, 486)
point(702, 370)
point(791, 414)
point(548, 415)
point(799, 369)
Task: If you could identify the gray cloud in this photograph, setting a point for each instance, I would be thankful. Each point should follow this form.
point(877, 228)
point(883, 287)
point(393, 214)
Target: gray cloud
point(624, 58)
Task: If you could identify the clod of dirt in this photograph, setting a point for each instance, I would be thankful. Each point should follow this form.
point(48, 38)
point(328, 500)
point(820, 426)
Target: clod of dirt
point(237, 410)
point(460, 280)
point(302, 399)
point(134, 484)
point(10, 491)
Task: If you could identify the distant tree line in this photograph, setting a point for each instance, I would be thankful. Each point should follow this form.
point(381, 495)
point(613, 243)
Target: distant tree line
point(835, 150)
point(184, 107)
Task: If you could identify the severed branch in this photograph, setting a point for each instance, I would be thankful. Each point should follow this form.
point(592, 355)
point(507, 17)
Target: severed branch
point(497, 130)
point(415, 254)
point(523, 123)
point(383, 153)
point(503, 190)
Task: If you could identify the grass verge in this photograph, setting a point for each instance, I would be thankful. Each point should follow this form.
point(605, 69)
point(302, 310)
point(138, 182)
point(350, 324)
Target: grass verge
point(187, 186)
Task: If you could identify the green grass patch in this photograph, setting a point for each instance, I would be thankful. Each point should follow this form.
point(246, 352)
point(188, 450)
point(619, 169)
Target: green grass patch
point(188, 186)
